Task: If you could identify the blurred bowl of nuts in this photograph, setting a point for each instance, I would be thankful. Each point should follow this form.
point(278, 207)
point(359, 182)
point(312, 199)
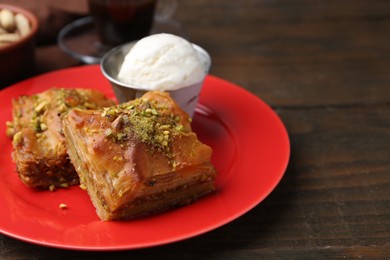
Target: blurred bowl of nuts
point(18, 29)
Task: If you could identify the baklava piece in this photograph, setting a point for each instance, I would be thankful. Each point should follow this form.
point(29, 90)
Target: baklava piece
point(138, 158)
point(38, 140)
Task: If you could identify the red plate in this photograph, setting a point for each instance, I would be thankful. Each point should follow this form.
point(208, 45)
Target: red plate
point(250, 152)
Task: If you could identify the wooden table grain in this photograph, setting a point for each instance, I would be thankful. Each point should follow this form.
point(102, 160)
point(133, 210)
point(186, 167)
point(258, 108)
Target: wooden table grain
point(324, 67)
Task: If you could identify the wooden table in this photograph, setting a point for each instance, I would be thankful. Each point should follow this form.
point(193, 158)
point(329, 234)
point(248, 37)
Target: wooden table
point(324, 67)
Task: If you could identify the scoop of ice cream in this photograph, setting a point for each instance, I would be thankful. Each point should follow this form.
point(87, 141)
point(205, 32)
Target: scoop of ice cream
point(162, 62)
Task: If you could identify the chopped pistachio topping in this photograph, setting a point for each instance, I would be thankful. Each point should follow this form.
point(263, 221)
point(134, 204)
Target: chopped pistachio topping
point(63, 102)
point(10, 131)
point(108, 132)
point(41, 106)
point(179, 127)
point(18, 138)
point(43, 126)
point(117, 159)
point(147, 121)
point(52, 187)
point(63, 206)
point(64, 185)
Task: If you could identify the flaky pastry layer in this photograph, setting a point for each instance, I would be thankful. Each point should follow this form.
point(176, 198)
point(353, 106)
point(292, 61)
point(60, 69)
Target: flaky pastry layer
point(40, 151)
point(138, 158)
